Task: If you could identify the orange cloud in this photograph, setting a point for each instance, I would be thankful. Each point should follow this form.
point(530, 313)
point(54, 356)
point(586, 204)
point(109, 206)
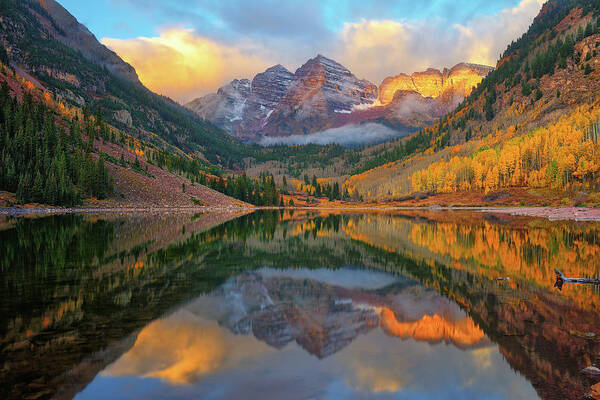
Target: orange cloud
point(182, 349)
point(184, 66)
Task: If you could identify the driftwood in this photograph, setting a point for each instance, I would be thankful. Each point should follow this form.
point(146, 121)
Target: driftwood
point(591, 370)
point(561, 279)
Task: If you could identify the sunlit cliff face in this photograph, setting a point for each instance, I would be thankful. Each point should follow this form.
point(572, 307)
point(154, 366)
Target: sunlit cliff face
point(458, 81)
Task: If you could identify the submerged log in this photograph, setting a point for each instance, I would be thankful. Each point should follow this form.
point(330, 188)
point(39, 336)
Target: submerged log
point(561, 279)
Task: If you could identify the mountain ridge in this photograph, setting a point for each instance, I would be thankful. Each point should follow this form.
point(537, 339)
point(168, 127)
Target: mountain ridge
point(324, 94)
point(78, 36)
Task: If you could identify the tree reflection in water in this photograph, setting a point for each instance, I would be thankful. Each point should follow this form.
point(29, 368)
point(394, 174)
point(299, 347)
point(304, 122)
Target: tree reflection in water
point(82, 295)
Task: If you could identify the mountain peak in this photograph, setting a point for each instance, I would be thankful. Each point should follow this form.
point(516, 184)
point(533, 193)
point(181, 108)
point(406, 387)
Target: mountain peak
point(277, 68)
point(326, 61)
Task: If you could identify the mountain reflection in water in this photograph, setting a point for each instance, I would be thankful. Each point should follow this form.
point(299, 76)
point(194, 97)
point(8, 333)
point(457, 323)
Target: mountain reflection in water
point(257, 322)
point(297, 305)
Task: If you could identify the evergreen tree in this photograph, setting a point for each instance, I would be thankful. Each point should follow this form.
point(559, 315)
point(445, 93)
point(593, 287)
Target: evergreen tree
point(38, 190)
point(336, 191)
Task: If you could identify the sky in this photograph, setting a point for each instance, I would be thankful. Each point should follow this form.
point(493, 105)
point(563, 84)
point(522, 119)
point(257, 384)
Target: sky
point(187, 48)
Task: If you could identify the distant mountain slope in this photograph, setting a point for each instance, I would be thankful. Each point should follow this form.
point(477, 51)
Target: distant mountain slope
point(548, 79)
point(279, 103)
point(225, 108)
point(323, 94)
point(45, 41)
point(242, 108)
point(418, 100)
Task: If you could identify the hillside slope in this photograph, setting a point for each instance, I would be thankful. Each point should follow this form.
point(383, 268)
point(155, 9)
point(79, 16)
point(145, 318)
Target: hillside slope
point(48, 156)
point(43, 40)
point(546, 79)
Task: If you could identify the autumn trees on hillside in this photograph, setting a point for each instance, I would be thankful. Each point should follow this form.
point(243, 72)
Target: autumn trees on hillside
point(53, 158)
point(323, 190)
point(561, 155)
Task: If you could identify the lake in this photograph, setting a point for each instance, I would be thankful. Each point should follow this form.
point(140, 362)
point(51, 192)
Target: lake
point(297, 305)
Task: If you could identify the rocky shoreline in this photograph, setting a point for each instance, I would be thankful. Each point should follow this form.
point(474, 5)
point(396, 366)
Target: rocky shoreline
point(580, 214)
point(24, 211)
point(551, 213)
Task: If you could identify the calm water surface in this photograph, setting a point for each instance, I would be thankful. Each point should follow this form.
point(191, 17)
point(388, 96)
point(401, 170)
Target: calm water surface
point(280, 305)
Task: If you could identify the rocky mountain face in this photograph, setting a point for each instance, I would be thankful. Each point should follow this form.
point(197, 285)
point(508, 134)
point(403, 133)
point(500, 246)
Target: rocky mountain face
point(226, 107)
point(323, 94)
point(243, 107)
point(321, 89)
point(268, 88)
point(281, 103)
point(420, 99)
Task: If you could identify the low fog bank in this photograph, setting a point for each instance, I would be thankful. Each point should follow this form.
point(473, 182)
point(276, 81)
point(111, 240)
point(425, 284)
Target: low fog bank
point(348, 136)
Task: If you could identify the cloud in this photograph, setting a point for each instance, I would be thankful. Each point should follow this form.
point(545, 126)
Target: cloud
point(376, 49)
point(239, 41)
point(182, 65)
point(349, 136)
point(381, 364)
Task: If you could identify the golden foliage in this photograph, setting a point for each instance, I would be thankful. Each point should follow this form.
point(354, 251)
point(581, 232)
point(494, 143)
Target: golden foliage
point(558, 155)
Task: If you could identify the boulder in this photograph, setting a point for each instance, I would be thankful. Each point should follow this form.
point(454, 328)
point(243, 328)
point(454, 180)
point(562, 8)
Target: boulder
point(124, 117)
